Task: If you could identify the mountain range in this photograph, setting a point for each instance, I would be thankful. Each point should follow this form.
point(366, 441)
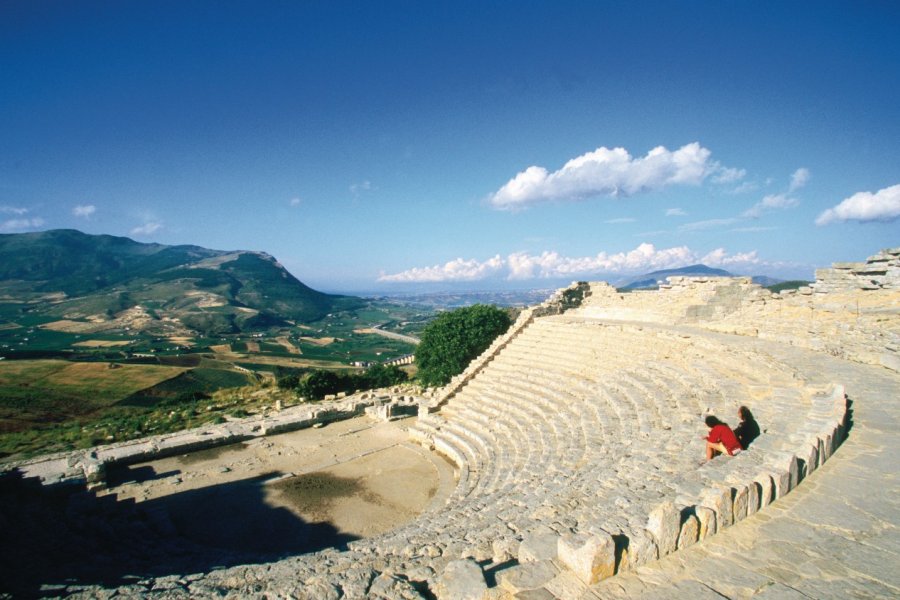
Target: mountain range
point(107, 282)
point(653, 279)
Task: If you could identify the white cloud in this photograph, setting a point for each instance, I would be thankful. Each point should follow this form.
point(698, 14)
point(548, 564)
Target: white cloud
point(455, 270)
point(12, 210)
point(768, 203)
point(295, 201)
point(883, 205)
point(84, 210)
point(720, 258)
point(747, 186)
point(21, 224)
point(147, 228)
point(707, 224)
point(606, 172)
point(728, 175)
point(620, 220)
point(549, 264)
point(675, 212)
point(799, 179)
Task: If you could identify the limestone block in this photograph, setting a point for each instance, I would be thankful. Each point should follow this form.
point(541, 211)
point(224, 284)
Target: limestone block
point(706, 518)
point(591, 557)
point(640, 550)
point(664, 523)
point(719, 500)
point(538, 546)
point(766, 489)
point(690, 532)
point(785, 462)
point(526, 577)
point(461, 580)
point(740, 500)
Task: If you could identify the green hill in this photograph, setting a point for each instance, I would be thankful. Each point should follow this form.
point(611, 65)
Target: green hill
point(103, 282)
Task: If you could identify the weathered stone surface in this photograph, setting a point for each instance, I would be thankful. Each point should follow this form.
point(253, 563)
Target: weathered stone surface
point(461, 580)
point(591, 557)
point(690, 532)
point(664, 523)
point(526, 577)
point(538, 546)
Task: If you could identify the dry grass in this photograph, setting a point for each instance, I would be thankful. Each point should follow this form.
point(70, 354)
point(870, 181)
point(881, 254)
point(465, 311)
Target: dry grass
point(101, 343)
point(252, 347)
point(103, 376)
point(287, 345)
point(324, 341)
point(68, 326)
point(221, 348)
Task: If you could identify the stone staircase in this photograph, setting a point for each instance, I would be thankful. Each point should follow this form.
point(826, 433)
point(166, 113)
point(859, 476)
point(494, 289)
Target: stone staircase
point(564, 436)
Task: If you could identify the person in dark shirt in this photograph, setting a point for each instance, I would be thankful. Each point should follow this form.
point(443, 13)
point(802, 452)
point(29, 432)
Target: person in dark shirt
point(721, 439)
point(748, 430)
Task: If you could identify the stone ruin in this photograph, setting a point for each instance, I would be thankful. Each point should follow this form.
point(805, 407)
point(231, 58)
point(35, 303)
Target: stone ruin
point(575, 439)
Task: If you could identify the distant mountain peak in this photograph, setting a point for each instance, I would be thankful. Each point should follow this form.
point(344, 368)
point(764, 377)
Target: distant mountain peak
point(653, 279)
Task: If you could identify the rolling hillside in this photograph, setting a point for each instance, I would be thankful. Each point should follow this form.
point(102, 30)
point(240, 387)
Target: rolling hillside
point(96, 283)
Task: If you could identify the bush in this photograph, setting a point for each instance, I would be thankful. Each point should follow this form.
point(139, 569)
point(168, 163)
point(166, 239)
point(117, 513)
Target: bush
point(453, 339)
point(320, 383)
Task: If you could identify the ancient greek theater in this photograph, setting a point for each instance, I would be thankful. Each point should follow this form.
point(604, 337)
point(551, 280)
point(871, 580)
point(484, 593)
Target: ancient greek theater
point(567, 461)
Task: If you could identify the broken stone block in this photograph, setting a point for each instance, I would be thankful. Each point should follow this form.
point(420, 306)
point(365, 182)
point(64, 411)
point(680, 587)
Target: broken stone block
point(591, 557)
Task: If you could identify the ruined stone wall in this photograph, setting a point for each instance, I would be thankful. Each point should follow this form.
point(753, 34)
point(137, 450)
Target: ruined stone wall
point(850, 311)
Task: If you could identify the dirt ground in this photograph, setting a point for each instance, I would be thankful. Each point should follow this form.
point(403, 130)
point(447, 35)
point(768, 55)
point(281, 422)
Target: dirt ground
point(360, 477)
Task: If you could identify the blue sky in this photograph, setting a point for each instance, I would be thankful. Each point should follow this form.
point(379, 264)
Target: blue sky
point(390, 145)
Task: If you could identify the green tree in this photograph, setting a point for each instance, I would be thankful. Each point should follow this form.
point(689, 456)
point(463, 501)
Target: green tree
point(379, 376)
point(454, 338)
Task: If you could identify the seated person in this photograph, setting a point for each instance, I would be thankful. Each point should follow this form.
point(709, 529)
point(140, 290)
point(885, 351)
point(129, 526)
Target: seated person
point(748, 430)
point(721, 439)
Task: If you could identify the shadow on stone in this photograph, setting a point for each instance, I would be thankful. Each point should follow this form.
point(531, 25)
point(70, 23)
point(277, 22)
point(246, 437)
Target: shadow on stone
point(55, 537)
point(118, 475)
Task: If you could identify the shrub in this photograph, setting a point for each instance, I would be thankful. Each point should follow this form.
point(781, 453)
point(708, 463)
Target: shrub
point(454, 338)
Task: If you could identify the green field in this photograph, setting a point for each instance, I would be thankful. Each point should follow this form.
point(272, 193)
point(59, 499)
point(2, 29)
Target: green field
point(62, 390)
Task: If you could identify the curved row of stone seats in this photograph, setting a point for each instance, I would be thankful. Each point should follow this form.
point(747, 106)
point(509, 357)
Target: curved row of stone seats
point(524, 431)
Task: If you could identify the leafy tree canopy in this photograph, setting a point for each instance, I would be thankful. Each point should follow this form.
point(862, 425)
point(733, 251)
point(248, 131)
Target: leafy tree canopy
point(454, 338)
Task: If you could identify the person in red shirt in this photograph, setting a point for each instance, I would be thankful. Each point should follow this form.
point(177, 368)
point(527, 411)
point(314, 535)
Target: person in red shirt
point(721, 439)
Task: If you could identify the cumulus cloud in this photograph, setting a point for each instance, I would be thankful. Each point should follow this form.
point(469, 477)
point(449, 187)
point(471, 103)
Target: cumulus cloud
point(728, 175)
point(883, 205)
point(799, 179)
point(720, 258)
point(455, 270)
point(147, 228)
point(746, 186)
point(768, 203)
point(523, 265)
point(84, 210)
point(295, 201)
point(779, 201)
point(606, 172)
point(675, 212)
point(21, 224)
